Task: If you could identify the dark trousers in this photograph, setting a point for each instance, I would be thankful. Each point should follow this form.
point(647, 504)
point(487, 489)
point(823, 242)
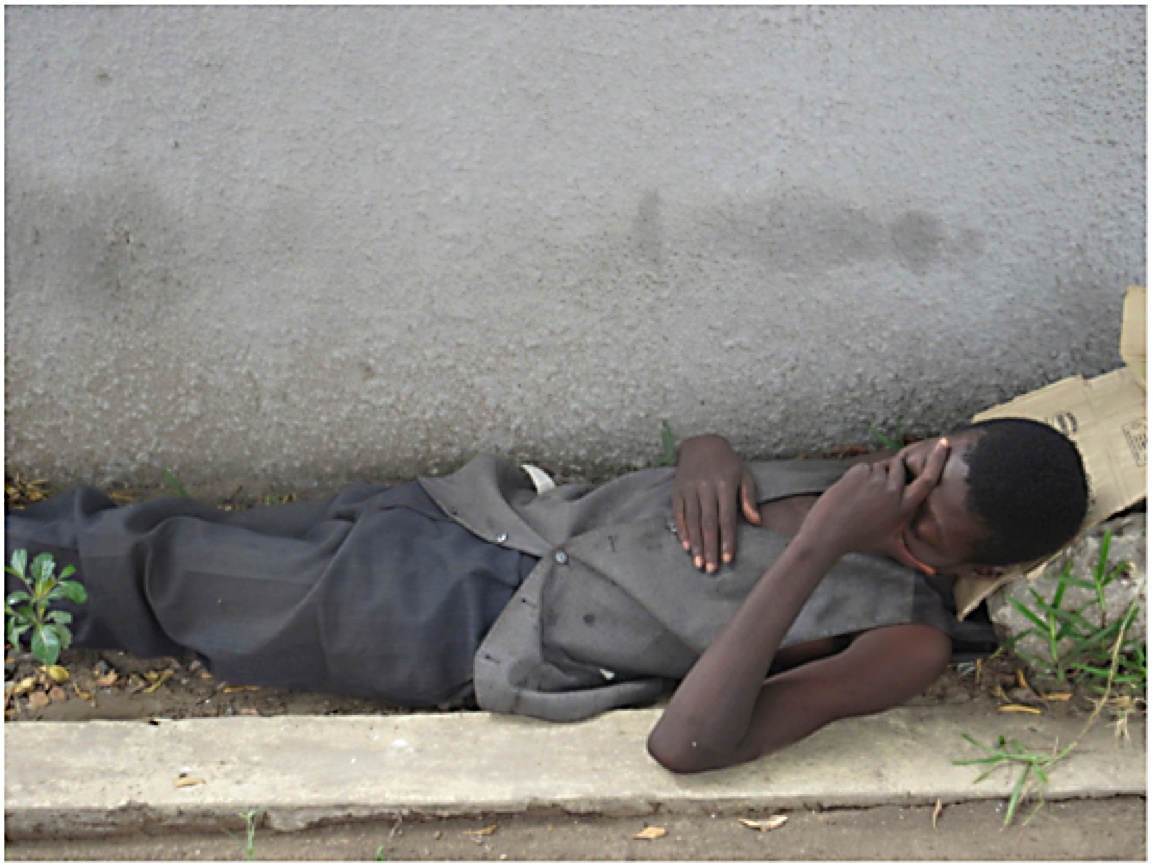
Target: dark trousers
point(374, 591)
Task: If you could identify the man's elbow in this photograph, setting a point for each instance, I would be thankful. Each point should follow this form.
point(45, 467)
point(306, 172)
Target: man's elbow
point(682, 756)
point(670, 755)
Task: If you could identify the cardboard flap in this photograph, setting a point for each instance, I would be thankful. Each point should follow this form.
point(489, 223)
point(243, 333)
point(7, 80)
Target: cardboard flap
point(1133, 333)
point(1106, 418)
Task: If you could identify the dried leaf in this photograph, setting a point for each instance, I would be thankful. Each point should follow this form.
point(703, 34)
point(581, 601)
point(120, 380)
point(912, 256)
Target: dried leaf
point(769, 824)
point(249, 711)
point(651, 832)
point(1018, 708)
point(937, 812)
point(1021, 682)
point(183, 782)
point(483, 832)
point(18, 492)
point(241, 688)
point(24, 686)
point(58, 673)
point(108, 679)
point(163, 676)
point(1057, 696)
point(87, 696)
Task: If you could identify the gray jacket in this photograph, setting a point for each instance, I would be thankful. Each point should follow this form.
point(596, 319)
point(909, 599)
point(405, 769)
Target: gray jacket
point(615, 612)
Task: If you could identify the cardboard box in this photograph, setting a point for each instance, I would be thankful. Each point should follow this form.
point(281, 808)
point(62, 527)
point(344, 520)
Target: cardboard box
point(1106, 418)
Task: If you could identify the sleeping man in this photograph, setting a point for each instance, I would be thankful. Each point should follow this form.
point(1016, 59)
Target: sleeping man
point(566, 602)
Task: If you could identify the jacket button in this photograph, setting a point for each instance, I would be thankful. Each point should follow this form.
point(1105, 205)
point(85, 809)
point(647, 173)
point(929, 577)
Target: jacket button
point(502, 538)
point(561, 557)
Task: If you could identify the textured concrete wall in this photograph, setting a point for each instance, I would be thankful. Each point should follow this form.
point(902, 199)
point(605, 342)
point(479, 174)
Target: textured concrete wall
point(298, 245)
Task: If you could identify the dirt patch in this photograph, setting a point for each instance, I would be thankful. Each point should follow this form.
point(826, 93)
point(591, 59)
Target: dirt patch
point(1111, 829)
point(113, 685)
point(117, 686)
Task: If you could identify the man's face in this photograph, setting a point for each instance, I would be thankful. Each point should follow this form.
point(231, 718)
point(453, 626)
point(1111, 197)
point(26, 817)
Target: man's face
point(942, 534)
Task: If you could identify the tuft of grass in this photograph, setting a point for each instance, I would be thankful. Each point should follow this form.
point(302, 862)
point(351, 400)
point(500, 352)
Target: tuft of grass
point(668, 455)
point(1078, 650)
point(893, 444)
point(173, 482)
point(1126, 668)
point(250, 818)
point(1034, 767)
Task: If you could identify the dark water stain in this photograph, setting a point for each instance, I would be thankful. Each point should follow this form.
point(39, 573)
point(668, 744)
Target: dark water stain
point(918, 237)
point(112, 249)
point(648, 232)
point(809, 232)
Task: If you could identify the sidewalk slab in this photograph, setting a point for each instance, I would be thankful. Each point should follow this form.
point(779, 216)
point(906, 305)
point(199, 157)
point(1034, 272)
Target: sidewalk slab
point(92, 778)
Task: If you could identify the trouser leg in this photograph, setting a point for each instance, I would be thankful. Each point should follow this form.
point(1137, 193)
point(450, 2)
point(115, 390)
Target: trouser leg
point(374, 591)
point(125, 558)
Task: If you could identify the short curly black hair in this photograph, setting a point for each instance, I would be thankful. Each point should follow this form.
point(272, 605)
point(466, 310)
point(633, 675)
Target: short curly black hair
point(1027, 486)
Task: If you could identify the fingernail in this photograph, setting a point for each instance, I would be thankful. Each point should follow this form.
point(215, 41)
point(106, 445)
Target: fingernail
point(727, 557)
point(711, 568)
point(943, 442)
point(698, 561)
point(685, 544)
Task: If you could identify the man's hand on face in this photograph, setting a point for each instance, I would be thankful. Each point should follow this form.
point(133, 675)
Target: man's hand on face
point(871, 504)
point(710, 486)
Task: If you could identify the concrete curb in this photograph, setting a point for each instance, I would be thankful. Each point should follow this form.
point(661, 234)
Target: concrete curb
point(95, 778)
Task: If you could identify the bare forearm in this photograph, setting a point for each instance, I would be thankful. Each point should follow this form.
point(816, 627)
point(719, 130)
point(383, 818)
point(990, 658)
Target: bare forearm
point(711, 719)
point(712, 711)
